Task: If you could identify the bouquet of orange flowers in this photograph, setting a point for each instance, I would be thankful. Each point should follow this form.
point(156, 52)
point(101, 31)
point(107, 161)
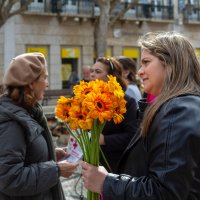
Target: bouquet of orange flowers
point(86, 113)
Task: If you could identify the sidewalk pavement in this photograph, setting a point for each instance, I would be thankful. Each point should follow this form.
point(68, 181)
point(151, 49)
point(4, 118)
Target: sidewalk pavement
point(73, 187)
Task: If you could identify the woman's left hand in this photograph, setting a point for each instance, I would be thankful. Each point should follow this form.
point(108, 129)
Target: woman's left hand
point(61, 153)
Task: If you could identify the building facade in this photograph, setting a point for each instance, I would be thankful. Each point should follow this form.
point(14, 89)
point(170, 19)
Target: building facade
point(63, 30)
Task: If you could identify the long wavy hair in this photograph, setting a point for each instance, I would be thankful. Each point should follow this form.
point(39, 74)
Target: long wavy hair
point(182, 69)
point(130, 65)
point(23, 96)
point(114, 68)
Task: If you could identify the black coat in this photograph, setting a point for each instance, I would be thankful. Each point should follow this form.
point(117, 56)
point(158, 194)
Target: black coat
point(118, 136)
point(166, 164)
point(27, 161)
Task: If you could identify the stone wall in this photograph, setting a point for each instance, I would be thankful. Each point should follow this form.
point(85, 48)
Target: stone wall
point(47, 30)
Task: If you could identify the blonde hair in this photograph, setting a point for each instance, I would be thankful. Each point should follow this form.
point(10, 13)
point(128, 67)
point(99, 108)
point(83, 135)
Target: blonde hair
point(182, 68)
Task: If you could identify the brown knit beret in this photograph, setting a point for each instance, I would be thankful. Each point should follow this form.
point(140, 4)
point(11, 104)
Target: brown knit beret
point(24, 69)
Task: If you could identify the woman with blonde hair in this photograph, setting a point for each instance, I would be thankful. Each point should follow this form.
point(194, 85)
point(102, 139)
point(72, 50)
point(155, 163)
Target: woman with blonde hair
point(163, 160)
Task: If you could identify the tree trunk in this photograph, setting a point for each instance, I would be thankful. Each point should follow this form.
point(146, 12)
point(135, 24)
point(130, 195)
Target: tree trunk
point(101, 28)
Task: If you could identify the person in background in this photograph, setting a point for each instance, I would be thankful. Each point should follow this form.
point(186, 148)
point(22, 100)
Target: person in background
point(73, 80)
point(134, 87)
point(30, 167)
point(86, 73)
point(115, 137)
point(163, 160)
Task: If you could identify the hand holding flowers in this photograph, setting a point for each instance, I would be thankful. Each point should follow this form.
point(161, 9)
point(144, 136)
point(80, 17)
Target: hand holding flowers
point(86, 113)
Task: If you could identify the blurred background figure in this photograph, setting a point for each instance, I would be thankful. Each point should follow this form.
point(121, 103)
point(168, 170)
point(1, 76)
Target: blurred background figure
point(73, 80)
point(134, 88)
point(115, 137)
point(86, 73)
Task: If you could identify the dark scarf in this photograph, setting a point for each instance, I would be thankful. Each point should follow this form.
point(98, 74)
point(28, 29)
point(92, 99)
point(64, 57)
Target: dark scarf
point(37, 113)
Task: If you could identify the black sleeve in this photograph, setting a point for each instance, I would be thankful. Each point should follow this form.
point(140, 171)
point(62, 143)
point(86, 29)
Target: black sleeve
point(173, 166)
point(119, 140)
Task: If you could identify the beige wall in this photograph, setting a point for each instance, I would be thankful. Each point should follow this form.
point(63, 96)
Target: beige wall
point(48, 31)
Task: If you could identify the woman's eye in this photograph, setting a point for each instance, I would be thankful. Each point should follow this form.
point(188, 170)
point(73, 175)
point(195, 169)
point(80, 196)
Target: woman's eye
point(145, 62)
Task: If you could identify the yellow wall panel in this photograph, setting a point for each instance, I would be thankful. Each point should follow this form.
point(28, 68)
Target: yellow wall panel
point(70, 52)
point(42, 50)
point(131, 52)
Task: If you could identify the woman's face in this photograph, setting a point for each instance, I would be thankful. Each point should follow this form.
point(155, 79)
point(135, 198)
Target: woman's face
point(40, 85)
point(99, 71)
point(152, 73)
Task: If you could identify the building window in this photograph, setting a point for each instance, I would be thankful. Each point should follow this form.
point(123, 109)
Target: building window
point(70, 58)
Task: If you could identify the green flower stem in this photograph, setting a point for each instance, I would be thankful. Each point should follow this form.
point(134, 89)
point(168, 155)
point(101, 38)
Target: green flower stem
point(76, 138)
point(87, 137)
point(81, 143)
point(94, 142)
point(90, 147)
point(86, 140)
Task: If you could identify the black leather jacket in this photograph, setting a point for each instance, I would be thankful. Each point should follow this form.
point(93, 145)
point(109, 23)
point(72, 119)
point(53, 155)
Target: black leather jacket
point(166, 164)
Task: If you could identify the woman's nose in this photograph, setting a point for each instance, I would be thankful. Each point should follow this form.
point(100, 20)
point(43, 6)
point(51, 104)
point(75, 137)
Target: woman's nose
point(141, 71)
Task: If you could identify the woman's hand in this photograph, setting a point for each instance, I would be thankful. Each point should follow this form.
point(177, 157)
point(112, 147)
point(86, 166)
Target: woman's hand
point(93, 177)
point(66, 169)
point(101, 139)
point(61, 153)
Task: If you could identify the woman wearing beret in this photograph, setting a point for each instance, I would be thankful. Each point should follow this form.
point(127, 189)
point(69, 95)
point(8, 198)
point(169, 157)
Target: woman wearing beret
point(29, 166)
point(162, 162)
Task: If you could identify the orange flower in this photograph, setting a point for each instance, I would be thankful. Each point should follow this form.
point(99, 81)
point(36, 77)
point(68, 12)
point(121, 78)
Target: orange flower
point(79, 115)
point(85, 114)
point(114, 87)
point(120, 109)
point(100, 106)
point(94, 100)
point(62, 108)
point(81, 90)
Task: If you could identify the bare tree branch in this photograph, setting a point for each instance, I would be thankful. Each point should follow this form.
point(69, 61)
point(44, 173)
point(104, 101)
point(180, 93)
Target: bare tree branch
point(9, 8)
point(122, 12)
point(113, 3)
